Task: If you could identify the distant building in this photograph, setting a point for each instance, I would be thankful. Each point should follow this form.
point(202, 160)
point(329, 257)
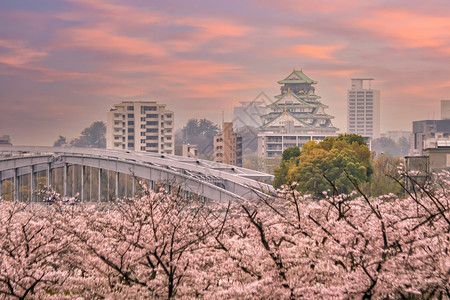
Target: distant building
point(363, 109)
point(296, 117)
point(140, 126)
point(228, 146)
point(445, 109)
point(427, 133)
point(250, 112)
point(186, 150)
point(5, 140)
point(434, 159)
point(397, 134)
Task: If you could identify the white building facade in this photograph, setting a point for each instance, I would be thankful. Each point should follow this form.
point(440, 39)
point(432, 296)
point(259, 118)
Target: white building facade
point(363, 109)
point(140, 126)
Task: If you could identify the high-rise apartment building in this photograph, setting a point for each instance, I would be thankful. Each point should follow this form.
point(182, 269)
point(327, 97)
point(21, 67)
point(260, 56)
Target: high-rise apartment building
point(228, 146)
point(295, 117)
point(140, 126)
point(363, 109)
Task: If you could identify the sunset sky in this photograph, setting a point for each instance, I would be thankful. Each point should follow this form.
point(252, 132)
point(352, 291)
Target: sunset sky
point(64, 63)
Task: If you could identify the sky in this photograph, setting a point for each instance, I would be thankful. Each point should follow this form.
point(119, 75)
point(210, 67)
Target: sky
point(63, 64)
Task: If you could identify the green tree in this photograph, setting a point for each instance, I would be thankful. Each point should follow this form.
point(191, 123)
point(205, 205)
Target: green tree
point(288, 160)
point(93, 136)
point(391, 147)
point(382, 182)
point(343, 161)
point(199, 132)
point(349, 138)
point(61, 141)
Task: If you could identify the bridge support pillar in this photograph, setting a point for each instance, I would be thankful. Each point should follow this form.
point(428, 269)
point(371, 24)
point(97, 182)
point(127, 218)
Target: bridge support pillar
point(49, 175)
point(33, 183)
point(133, 186)
point(1, 184)
point(99, 184)
point(116, 186)
point(16, 185)
point(65, 175)
point(83, 173)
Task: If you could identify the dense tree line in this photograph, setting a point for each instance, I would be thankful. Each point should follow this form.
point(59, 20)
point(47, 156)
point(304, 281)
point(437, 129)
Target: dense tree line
point(93, 136)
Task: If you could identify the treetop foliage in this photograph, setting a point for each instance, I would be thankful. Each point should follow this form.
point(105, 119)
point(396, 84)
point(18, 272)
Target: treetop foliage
point(93, 136)
point(342, 161)
point(198, 132)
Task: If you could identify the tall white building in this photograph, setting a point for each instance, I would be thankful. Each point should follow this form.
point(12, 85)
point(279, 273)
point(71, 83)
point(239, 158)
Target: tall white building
point(363, 108)
point(140, 126)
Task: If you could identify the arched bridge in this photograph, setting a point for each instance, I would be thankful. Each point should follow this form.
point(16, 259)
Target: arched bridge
point(110, 174)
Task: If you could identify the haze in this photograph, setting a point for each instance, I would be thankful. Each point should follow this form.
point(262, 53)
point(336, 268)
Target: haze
point(64, 63)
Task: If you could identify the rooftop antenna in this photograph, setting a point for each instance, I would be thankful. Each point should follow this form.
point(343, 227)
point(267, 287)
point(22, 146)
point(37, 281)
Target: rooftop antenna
point(222, 116)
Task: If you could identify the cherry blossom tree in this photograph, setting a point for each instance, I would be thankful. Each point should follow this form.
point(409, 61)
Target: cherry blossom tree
point(164, 245)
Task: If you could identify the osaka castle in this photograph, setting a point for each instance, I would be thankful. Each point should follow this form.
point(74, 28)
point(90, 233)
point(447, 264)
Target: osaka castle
point(295, 117)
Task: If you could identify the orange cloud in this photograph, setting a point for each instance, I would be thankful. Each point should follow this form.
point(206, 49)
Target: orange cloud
point(316, 51)
point(407, 28)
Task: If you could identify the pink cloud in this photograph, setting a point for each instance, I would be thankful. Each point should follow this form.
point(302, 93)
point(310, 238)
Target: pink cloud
point(332, 73)
point(18, 53)
point(406, 28)
point(317, 51)
point(103, 40)
point(290, 32)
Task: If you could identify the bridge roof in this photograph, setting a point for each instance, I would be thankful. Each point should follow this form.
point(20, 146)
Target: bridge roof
point(196, 168)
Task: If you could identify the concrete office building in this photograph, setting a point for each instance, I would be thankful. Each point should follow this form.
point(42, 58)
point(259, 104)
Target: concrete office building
point(296, 117)
point(186, 150)
point(427, 133)
point(228, 146)
point(363, 109)
point(140, 126)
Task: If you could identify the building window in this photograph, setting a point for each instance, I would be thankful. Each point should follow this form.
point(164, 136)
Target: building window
point(152, 123)
point(130, 107)
point(152, 116)
point(131, 137)
point(130, 122)
point(154, 137)
point(130, 115)
point(147, 108)
point(130, 130)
